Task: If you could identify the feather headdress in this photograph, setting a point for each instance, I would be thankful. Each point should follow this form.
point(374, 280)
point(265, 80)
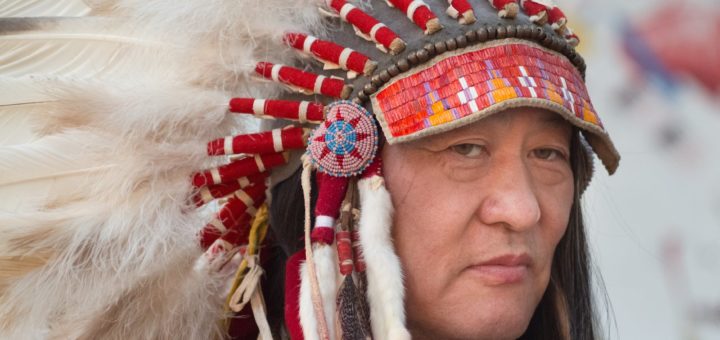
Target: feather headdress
point(132, 174)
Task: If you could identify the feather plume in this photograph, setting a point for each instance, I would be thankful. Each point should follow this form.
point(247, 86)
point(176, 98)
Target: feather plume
point(105, 111)
point(43, 8)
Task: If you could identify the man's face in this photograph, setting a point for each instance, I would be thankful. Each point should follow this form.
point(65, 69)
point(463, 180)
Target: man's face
point(479, 211)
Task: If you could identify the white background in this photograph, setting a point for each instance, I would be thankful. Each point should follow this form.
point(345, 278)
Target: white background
point(654, 226)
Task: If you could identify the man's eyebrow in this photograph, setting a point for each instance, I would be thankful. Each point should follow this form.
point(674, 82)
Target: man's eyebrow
point(555, 121)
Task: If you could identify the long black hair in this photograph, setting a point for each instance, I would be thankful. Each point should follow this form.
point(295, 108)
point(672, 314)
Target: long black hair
point(566, 310)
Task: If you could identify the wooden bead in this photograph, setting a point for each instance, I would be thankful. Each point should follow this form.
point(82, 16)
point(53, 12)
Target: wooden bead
point(451, 44)
point(412, 58)
point(430, 48)
point(535, 33)
point(362, 96)
point(440, 47)
point(471, 36)
point(423, 55)
point(541, 36)
point(403, 64)
point(376, 81)
point(385, 76)
point(578, 60)
point(358, 101)
point(511, 31)
point(547, 41)
point(461, 41)
point(524, 31)
point(393, 70)
point(482, 34)
point(492, 32)
point(369, 89)
point(554, 43)
point(566, 49)
point(501, 32)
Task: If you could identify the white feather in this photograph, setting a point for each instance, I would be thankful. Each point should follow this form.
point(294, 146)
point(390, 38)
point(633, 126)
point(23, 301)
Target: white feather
point(87, 48)
point(43, 8)
point(20, 117)
point(51, 169)
point(386, 291)
point(98, 240)
point(21, 90)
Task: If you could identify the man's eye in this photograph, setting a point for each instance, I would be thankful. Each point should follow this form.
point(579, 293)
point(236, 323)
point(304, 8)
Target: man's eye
point(468, 150)
point(548, 154)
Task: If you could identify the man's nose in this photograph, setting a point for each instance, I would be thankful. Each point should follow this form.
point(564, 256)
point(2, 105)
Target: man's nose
point(510, 197)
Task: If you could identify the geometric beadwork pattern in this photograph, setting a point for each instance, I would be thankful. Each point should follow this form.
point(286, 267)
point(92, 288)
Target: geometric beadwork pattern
point(346, 143)
point(465, 84)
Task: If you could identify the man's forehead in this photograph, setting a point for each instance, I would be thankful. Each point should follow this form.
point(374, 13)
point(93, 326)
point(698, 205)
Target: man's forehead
point(541, 119)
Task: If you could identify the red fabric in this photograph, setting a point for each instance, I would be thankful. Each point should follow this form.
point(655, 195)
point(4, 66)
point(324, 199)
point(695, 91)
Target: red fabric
point(259, 143)
point(345, 252)
point(243, 326)
point(332, 87)
point(287, 109)
point(224, 189)
point(238, 169)
point(331, 51)
point(257, 193)
point(331, 192)
point(322, 235)
point(296, 40)
point(292, 76)
point(532, 8)
point(241, 105)
point(277, 108)
point(500, 4)
point(207, 236)
point(231, 215)
point(292, 295)
point(328, 51)
point(375, 168)
point(555, 15)
point(239, 233)
point(421, 15)
point(463, 6)
point(365, 23)
point(356, 61)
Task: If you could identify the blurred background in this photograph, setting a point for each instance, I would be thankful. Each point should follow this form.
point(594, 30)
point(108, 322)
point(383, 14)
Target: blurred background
point(654, 75)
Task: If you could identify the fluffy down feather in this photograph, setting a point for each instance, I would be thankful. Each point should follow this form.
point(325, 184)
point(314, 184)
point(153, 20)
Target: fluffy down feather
point(104, 116)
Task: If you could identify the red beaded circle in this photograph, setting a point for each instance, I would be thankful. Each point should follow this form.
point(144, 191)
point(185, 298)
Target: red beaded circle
point(345, 144)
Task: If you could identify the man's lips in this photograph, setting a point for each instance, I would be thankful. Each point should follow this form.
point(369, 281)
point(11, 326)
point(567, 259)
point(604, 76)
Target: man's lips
point(503, 269)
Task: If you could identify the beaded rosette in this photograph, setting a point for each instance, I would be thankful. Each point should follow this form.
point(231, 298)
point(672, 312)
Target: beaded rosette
point(345, 144)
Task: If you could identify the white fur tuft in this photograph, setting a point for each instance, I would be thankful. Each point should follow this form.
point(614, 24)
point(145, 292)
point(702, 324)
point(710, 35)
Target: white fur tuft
point(384, 275)
point(326, 266)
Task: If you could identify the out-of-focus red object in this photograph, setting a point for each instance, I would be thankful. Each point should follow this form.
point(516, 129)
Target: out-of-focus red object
point(686, 40)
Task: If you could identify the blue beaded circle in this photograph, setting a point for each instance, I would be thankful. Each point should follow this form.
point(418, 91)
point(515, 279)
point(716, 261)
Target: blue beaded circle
point(346, 143)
